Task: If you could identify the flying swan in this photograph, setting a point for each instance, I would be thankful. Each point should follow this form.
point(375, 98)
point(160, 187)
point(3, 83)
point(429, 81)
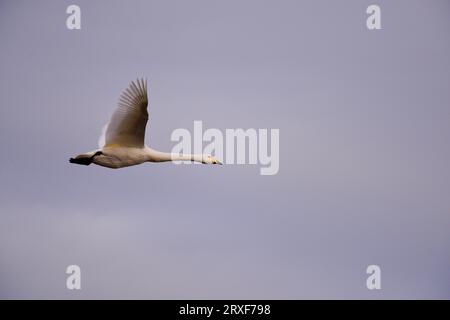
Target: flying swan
point(122, 141)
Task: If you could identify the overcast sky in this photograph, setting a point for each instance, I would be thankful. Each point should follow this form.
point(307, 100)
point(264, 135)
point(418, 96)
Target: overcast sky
point(364, 150)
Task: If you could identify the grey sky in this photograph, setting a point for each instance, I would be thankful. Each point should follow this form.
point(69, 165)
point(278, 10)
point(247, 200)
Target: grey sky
point(364, 150)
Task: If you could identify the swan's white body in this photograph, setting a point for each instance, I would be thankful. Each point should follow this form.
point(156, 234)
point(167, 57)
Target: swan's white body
point(122, 141)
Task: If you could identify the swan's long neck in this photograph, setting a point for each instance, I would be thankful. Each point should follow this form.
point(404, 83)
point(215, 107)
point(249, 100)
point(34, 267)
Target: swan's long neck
point(158, 156)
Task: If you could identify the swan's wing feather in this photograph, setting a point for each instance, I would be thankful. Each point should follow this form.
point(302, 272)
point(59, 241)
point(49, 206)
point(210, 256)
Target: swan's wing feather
point(127, 124)
point(102, 139)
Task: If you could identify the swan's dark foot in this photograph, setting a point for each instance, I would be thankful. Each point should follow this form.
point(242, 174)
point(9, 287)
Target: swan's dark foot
point(84, 159)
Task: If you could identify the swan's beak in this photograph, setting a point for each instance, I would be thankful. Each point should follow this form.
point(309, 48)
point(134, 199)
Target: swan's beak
point(218, 162)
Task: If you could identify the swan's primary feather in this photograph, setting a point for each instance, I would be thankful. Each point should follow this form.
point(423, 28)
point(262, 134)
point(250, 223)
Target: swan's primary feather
point(127, 125)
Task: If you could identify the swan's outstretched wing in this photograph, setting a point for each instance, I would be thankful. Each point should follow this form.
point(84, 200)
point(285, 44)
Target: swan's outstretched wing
point(127, 124)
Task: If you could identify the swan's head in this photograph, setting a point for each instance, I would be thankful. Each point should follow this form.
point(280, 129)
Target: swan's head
point(211, 160)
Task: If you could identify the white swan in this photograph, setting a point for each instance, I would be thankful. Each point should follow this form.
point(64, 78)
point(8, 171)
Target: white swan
point(122, 141)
